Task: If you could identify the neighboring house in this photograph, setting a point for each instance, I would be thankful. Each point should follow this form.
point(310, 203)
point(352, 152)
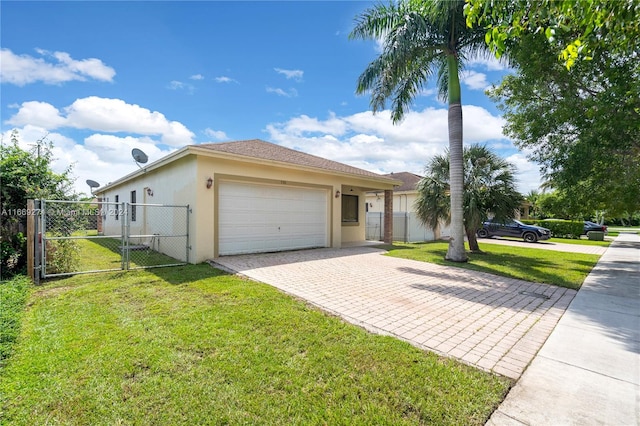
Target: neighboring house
point(406, 225)
point(251, 196)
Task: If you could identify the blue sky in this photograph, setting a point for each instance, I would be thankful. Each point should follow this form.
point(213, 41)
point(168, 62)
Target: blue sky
point(101, 78)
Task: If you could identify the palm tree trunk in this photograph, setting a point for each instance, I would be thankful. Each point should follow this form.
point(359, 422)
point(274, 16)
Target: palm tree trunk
point(456, 251)
point(473, 241)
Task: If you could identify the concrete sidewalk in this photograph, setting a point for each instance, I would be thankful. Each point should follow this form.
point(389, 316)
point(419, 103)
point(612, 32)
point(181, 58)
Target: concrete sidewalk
point(588, 371)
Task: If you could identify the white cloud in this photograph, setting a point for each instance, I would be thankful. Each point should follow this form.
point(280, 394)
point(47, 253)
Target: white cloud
point(197, 77)
point(380, 43)
point(291, 93)
point(290, 74)
point(374, 143)
point(490, 63)
point(225, 79)
point(117, 150)
point(179, 85)
point(39, 114)
point(428, 92)
point(305, 124)
point(474, 80)
point(528, 175)
point(24, 69)
point(104, 115)
point(175, 85)
point(216, 134)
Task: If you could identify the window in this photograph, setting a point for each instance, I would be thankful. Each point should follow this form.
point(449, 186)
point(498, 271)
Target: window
point(117, 206)
point(133, 207)
point(349, 209)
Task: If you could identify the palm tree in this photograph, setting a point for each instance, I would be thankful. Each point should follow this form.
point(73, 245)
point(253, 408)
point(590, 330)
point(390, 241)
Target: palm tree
point(489, 189)
point(423, 39)
point(533, 197)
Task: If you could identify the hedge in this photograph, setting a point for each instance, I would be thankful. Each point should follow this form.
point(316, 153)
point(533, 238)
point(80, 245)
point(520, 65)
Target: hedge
point(560, 228)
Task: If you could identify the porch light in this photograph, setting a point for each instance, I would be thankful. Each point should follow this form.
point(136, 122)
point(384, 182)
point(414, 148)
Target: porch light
point(337, 194)
point(209, 183)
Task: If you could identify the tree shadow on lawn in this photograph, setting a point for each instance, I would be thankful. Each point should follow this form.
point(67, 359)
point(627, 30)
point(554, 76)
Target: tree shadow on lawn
point(106, 253)
point(527, 268)
point(186, 274)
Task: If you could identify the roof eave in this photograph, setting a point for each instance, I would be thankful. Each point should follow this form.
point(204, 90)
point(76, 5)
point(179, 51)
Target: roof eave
point(182, 152)
point(194, 149)
point(226, 155)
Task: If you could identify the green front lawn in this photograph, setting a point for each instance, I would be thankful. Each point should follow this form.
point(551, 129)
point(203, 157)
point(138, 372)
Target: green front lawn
point(192, 345)
point(581, 241)
point(544, 266)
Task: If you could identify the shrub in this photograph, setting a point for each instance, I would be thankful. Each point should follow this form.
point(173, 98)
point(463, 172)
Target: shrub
point(559, 228)
point(62, 256)
point(13, 256)
point(564, 228)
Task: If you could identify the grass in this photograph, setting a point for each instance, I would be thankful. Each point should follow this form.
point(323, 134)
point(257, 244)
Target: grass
point(13, 297)
point(100, 254)
point(544, 266)
point(192, 345)
point(584, 241)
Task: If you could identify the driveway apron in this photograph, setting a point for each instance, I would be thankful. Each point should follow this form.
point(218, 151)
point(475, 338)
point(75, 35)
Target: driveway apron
point(495, 323)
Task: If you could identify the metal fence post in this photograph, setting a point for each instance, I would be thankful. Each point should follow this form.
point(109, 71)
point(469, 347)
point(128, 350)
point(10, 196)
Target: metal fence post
point(187, 232)
point(406, 227)
point(37, 242)
point(125, 239)
point(31, 239)
point(43, 238)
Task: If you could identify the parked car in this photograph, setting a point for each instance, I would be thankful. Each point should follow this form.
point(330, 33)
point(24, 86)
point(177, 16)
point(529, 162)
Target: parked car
point(514, 228)
point(592, 226)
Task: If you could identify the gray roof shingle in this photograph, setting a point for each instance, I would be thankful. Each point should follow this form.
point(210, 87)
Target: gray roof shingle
point(259, 149)
point(409, 181)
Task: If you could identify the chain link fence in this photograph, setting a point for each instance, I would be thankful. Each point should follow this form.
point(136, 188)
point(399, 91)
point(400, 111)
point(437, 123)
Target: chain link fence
point(406, 228)
point(91, 236)
point(156, 235)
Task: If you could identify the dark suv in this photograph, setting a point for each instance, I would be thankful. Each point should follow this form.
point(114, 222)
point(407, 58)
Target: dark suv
point(514, 228)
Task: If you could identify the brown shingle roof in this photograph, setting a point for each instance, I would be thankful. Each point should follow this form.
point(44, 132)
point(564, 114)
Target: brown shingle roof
point(259, 149)
point(409, 181)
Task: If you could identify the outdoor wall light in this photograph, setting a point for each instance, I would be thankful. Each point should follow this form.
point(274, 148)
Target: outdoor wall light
point(337, 194)
point(209, 183)
point(150, 192)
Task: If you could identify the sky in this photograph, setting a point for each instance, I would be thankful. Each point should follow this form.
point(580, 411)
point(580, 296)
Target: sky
point(98, 79)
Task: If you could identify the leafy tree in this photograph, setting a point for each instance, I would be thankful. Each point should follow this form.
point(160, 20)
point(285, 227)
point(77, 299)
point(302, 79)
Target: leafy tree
point(555, 205)
point(422, 40)
point(533, 197)
point(25, 175)
point(489, 189)
point(581, 124)
point(574, 29)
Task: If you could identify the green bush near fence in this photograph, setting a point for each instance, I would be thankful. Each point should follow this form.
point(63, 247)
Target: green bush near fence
point(560, 228)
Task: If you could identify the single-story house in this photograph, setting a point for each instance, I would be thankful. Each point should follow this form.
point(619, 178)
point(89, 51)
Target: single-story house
point(251, 196)
point(406, 225)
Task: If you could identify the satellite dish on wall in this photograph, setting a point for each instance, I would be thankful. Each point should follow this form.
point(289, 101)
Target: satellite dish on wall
point(92, 184)
point(139, 156)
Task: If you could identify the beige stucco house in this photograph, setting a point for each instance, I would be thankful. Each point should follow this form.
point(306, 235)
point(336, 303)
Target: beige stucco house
point(252, 196)
point(406, 225)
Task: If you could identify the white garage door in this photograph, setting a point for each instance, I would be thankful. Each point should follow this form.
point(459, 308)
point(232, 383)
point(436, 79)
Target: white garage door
point(255, 218)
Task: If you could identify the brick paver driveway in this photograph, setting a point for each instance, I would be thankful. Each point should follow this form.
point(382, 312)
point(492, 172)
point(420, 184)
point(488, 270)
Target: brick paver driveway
point(495, 323)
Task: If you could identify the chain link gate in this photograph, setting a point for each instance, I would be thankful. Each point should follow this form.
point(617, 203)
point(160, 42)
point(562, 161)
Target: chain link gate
point(76, 237)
